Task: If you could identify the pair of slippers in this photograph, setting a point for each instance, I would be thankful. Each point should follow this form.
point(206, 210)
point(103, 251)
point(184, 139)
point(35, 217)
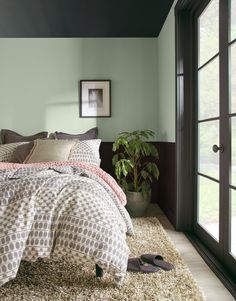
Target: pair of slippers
point(148, 263)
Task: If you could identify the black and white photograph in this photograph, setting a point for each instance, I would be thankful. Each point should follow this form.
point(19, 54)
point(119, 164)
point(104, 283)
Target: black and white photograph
point(95, 98)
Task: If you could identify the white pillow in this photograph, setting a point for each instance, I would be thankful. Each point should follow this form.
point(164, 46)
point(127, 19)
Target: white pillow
point(7, 150)
point(86, 151)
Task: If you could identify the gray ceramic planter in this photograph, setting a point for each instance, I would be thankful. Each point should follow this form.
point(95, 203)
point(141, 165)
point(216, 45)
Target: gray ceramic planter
point(136, 204)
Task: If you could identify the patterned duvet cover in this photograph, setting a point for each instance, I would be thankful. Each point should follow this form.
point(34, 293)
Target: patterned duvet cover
point(66, 209)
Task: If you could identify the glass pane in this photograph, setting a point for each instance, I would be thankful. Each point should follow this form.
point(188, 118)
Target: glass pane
point(208, 90)
point(232, 68)
point(208, 206)
point(233, 223)
point(233, 19)
point(233, 151)
point(208, 161)
point(208, 32)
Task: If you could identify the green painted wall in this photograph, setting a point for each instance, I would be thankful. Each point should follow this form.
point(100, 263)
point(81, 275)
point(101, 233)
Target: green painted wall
point(39, 85)
point(166, 80)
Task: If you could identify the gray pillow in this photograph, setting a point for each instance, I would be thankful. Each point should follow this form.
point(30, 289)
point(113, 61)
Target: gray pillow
point(90, 134)
point(22, 151)
point(8, 136)
point(50, 150)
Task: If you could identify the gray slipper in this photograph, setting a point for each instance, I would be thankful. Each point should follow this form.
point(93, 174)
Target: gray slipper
point(137, 265)
point(158, 261)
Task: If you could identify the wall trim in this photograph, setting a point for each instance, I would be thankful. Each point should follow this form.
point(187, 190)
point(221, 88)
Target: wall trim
point(163, 190)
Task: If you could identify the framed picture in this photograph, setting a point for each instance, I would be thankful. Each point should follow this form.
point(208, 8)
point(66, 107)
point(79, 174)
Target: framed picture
point(95, 98)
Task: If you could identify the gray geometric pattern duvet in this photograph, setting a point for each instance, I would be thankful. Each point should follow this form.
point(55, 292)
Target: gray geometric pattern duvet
point(61, 211)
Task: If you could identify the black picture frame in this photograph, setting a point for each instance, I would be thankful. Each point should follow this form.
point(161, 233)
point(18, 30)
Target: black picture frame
point(95, 98)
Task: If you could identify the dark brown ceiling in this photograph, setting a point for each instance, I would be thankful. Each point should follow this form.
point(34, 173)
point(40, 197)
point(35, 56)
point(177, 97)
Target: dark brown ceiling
point(82, 18)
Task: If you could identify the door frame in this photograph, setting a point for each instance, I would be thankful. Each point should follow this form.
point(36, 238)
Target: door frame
point(185, 112)
point(185, 38)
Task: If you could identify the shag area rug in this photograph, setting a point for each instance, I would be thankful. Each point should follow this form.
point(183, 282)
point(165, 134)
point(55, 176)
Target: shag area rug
point(62, 281)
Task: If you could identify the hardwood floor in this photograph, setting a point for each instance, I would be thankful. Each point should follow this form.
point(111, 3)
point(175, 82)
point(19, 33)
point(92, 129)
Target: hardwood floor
point(210, 285)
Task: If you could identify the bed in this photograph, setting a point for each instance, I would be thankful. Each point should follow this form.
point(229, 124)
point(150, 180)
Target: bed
point(61, 209)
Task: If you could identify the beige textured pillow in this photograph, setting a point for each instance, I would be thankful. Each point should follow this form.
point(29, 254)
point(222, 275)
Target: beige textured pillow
point(50, 150)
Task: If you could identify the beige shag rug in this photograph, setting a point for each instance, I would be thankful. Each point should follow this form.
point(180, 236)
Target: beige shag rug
point(61, 281)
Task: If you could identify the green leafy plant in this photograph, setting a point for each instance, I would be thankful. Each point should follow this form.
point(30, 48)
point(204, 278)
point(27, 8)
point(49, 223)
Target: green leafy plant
point(133, 161)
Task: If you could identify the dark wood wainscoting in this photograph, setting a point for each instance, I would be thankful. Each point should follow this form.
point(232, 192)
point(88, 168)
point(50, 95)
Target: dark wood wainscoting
point(163, 190)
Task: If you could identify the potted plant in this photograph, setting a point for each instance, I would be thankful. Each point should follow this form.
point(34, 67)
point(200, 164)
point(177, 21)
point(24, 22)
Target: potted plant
point(135, 168)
